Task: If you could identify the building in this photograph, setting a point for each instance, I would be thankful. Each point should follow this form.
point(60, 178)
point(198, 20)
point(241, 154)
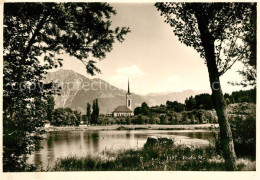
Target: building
point(127, 109)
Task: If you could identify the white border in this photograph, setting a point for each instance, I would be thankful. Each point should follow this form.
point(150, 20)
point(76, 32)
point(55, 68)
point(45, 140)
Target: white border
point(125, 175)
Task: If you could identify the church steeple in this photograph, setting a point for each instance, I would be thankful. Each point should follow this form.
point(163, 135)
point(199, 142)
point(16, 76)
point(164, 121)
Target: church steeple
point(128, 87)
point(128, 97)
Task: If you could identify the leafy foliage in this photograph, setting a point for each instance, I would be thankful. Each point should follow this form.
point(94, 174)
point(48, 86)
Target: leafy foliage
point(244, 134)
point(204, 101)
point(50, 108)
point(190, 103)
point(143, 110)
point(95, 112)
point(35, 34)
point(176, 106)
point(227, 24)
point(88, 114)
point(249, 72)
point(66, 117)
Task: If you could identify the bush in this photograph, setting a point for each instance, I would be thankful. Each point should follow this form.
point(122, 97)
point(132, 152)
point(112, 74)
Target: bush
point(244, 136)
point(66, 117)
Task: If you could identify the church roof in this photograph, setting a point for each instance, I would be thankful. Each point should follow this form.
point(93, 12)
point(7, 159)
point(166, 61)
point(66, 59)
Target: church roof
point(122, 109)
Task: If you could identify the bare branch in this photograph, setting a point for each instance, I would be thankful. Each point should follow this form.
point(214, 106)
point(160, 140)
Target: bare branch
point(225, 70)
point(238, 57)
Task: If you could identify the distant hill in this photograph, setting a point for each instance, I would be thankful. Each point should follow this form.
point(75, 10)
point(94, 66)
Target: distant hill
point(161, 98)
point(77, 92)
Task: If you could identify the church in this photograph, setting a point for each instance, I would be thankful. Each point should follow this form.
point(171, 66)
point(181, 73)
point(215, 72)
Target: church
point(127, 109)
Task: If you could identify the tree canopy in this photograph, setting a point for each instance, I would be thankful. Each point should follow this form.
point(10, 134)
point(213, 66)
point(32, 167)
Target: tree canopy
point(35, 35)
point(82, 30)
point(229, 25)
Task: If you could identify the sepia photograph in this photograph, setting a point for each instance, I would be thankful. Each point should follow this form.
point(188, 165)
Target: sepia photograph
point(129, 86)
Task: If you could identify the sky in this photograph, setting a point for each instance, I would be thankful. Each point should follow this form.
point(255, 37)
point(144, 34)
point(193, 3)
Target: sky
point(153, 59)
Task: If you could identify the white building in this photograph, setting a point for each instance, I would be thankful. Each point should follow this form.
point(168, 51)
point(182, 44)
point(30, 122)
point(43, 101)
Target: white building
point(127, 109)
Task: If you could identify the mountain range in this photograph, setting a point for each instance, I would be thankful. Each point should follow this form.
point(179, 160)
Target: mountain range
point(78, 90)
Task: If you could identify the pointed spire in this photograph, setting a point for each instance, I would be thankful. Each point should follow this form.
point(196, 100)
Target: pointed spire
point(128, 86)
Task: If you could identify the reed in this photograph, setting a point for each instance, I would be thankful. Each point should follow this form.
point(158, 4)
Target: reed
point(156, 158)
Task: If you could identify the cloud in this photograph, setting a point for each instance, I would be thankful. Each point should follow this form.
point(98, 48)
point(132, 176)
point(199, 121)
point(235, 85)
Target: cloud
point(131, 71)
point(123, 73)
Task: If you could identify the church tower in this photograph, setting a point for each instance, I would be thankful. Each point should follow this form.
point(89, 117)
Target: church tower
point(128, 98)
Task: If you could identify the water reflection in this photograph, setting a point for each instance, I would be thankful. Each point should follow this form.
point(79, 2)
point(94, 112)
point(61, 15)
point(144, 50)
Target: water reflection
point(95, 141)
point(80, 143)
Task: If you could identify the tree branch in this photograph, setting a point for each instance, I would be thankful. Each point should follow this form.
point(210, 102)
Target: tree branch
point(238, 57)
point(32, 40)
point(220, 46)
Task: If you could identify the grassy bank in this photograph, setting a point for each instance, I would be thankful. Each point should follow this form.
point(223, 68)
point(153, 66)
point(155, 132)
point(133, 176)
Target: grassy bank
point(134, 127)
point(158, 158)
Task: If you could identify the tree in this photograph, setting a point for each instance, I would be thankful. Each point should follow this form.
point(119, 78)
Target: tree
point(204, 101)
point(59, 117)
point(137, 111)
point(190, 103)
point(35, 34)
point(145, 110)
point(97, 109)
point(249, 72)
point(66, 117)
point(50, 108)
point(77, 117)
point(176, 106)
point(214, 30)
point(244, 96)
point(88, 114)
point(95, 112)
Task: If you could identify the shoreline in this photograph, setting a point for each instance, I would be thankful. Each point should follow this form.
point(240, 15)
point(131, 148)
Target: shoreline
point(133, 127)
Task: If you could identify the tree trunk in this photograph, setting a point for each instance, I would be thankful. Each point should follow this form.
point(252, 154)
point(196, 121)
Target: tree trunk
point(217, 95)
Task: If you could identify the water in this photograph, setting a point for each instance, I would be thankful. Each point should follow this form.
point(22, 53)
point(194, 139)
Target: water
point(60, 144)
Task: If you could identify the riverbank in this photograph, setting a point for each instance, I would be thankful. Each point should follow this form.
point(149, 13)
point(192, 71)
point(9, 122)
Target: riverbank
point(154, 156)
point(134, 127)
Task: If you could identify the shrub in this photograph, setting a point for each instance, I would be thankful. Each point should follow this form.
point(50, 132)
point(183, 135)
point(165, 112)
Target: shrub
point(244, 136)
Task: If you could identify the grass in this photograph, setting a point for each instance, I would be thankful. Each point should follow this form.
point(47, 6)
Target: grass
point(158, 158)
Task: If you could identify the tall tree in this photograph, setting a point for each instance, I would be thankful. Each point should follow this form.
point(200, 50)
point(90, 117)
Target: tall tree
point(97, 109)
point(95, 112)
point(35, 34)
point(214, 30)
point(88, 113)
